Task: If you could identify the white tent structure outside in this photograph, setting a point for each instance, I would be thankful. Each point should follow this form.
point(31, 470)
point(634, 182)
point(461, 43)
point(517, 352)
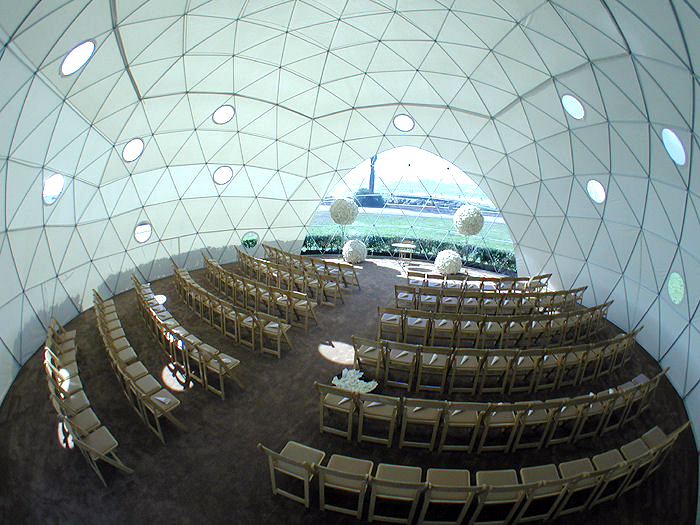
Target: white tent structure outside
point(315, 86)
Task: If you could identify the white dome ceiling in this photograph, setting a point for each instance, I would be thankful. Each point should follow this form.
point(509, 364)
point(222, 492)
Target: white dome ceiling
point(315, 86)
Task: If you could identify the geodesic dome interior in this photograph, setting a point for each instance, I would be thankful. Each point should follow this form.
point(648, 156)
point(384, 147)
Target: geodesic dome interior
point(575, 118)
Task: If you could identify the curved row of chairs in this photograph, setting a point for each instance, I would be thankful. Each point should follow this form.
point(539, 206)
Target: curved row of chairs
point(490, 331)
point(502, 283)
point(247, 328)
point(475, 370)
point(346, 271)
point(484, 426)
point(324, 288)
point(144, 392)
point(77, 421)
point(460, 300)
point(450, 496)
point(294, 307)
point(189, 357)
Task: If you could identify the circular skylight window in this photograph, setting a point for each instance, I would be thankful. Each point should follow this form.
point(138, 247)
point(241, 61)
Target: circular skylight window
point(673, 146)
point(52, 188)
point(403, 122)
point(573, 106)
point(132, 150)
point(676, 288)
point(596, 191)
point(77, 57)
point(143, 231)
point(223, 174)
point(250, 239)
point(224, 114)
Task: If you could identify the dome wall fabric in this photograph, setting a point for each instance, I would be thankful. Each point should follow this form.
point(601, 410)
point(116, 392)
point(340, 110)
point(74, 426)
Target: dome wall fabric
point(315, 86)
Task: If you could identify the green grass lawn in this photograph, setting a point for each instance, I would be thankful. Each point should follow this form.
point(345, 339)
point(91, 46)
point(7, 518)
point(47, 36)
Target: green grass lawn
point(494, 235)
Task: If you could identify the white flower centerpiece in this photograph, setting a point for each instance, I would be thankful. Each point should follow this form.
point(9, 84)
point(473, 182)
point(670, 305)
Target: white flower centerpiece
point(448, 262)
point(350, 380)
point(468, 220)
point(344, 211)
point(354, 251)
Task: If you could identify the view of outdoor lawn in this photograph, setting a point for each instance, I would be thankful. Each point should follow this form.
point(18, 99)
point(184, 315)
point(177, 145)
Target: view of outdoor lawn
point(412, 198)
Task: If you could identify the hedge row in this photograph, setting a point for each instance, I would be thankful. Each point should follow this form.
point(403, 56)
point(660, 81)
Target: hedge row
point(477, 257)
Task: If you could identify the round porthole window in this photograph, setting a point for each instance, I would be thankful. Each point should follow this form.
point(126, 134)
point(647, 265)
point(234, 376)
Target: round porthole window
point(132, 150)
point(223, 174)
point(676, 288)
point(674, 146)
point(250, 239)
point(573, 106)
point(403, 122)
point(53, 187)
point(223, 114)
point(143, 231)
point(77, 57)
point(596, 191)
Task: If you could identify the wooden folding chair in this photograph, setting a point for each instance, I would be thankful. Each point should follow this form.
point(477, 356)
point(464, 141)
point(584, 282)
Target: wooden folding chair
point(336, 401)
point(404, 296)
point(400, 363)
point(434, 362)
point(416, 327)
point(396, 483)
point(368, 355)
point(344, 474)
point(442, 329)
point(582, 483)
point(295, 460)
point(420, 413)
point(465, 371)
point(447, 488)
point(390, 323)
point(504, 494)
point(465, 418)
point(544, 490)
point(498, 430)
point(380, 408)
point(533, 425)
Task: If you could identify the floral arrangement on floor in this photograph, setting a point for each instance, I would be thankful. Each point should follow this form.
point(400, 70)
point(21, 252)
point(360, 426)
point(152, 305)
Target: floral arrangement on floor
point(448, 262)
point(350, 380)
point(354, 251)
point(343, 211)
point(468, 220)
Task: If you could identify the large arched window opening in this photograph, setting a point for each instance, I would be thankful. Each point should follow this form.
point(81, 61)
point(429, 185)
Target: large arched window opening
point(407, 194)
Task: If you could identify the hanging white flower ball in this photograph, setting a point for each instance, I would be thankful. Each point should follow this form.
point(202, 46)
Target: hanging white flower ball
point(468, 220)
point(343, 211)
point(448, 262)
point(354, 251)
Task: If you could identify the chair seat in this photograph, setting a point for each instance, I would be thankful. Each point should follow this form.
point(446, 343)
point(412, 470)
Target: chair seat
point(376, 408)
point(467, 362)
point(463, 416)
point(390, 318)
point(434, 360)
point(401, 356)
point(422, 414)
point(301, 453)
point(86, 420)
point(337, 402)
point(400, 473)
point(147, 385)
point(542, 473)
point(448, 478)
point(348, 465)
point(505, 477)
point(164, 400)
point(417, 321)
point(100, 440)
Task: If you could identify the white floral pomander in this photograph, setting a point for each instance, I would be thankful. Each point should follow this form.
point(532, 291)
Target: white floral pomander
point(343, 211)
point(350, 380)
point(448, 262)
point(354, 251)
point(468, 220)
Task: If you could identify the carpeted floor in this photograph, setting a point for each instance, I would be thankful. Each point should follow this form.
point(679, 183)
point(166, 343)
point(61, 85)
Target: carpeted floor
point(214, 473)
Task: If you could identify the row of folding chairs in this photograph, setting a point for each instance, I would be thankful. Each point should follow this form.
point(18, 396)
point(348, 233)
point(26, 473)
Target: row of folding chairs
point(460, 300)
point(501, 283)
point(490, 331)
point(324, 287)
point(482, 427)
point(451, 496)
point(477, 370)
point(78, 423)
point(346, 271)
point(189, 356)
point(252, 329)
point(144, 392)
point(294, 307)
